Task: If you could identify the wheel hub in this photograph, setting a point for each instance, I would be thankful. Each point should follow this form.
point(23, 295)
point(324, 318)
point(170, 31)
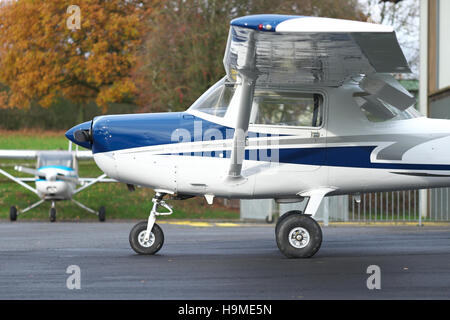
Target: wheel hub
point(142, 242)
point(299, 237)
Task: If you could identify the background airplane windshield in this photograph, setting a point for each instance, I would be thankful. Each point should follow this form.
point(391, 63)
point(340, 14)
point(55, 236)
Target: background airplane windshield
point(55, 160)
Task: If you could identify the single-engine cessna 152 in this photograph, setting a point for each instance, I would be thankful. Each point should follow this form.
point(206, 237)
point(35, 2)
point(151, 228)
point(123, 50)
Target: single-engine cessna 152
point(56, 178)
point(308, 108)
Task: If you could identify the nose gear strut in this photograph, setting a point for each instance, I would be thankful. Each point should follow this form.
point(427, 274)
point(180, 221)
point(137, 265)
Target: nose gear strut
point(147, 237)
point(157, 201)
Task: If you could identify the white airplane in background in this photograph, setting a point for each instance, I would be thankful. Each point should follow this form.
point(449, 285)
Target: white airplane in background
point(308, 109)
point(56, 178)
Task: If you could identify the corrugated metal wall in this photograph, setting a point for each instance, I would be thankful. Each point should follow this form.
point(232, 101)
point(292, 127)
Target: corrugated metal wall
point(380, 206)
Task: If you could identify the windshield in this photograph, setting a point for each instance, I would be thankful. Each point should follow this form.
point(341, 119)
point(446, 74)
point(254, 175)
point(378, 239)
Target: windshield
point(216, 99)
point(55, 159)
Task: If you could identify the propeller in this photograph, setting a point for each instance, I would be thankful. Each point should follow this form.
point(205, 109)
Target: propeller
point(49, 176)
point(83, 135)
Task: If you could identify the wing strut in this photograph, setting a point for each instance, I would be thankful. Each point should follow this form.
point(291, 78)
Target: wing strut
point(247, 75)
point(17, 180)
point(90, 183)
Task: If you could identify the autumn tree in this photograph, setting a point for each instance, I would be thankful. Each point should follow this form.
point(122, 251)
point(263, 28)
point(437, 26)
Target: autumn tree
point(41, 58)
point(183, 54)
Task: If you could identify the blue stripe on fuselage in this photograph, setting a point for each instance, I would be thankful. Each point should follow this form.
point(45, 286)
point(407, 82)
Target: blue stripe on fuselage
point(57, 167)
point(351, 157)
point(117, 132)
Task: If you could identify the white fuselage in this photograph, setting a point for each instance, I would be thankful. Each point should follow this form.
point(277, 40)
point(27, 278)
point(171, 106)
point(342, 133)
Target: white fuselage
point(348, 154)
point(52, 188)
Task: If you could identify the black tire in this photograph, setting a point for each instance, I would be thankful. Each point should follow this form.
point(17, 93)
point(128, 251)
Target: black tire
point(13, 213)
point(134, 238)
point(102, 214)
point(288, 225)
point(284, 216)
point(52, 214)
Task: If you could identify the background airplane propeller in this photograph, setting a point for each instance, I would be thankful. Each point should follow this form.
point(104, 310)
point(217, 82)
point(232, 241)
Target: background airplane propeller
point(47, 176)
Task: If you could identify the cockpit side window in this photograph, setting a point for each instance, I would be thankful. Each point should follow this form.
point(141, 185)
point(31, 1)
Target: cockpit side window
point(377, 110)
point(287, 108)
point(282, 107)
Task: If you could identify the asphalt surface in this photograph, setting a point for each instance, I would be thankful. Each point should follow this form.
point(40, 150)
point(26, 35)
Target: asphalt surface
point(221, 263)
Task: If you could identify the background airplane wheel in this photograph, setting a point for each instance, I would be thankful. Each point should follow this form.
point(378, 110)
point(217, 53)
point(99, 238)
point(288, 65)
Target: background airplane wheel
point(137, 239)
point(52, 214)
point(298, 236)
point(102, 214)
point(13, 213)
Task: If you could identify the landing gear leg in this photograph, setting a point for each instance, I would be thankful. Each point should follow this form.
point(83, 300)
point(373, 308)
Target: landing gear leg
point(298, 235)
point(147, 237)
point(13, 212)
point(101, 214)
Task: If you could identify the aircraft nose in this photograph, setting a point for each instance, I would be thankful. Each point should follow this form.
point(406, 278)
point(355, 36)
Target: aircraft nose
point(81, 134)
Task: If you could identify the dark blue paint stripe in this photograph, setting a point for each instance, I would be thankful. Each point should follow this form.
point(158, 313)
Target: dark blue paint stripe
point(350, 157)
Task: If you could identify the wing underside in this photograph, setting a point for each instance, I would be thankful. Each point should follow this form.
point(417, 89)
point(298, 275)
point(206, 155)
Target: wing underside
point(297, 53)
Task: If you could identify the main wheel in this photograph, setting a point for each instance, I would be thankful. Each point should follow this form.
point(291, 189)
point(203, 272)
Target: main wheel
point(13, 213)
point(298, 236)
point(102, 214)
point(52, 214)
point(141, 246)
point(284, 216)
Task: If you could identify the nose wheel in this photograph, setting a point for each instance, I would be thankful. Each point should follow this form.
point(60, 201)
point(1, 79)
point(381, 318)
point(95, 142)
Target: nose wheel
point(52, 212)
point(298, 235)
point(147, 237)
point(143, 246)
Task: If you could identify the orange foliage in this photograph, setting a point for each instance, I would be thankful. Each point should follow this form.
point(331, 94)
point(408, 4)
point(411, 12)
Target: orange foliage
point(40, 58)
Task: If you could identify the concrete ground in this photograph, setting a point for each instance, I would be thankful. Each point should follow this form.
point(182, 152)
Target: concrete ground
point(225, 261)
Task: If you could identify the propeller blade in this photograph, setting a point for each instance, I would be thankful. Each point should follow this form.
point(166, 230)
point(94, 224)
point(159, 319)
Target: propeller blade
point(45, 176)
point(30, 171)
point(66, 178)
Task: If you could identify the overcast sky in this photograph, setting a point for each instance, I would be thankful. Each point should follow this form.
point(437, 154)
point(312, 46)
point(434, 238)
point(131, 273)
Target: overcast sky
point(404, 17)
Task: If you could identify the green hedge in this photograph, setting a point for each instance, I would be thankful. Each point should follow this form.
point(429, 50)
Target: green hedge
point(62, 115)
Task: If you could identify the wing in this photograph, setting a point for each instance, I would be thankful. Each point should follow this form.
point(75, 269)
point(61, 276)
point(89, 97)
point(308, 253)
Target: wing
point(84, 155)
point(32, 154)
point(18, 154)
point(291, 50)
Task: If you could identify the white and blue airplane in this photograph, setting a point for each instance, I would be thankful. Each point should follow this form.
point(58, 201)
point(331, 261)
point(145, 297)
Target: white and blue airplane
point(308, 108)
point(55, 176)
